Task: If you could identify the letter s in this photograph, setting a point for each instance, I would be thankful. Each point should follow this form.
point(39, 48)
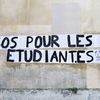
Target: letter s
point(89, 40)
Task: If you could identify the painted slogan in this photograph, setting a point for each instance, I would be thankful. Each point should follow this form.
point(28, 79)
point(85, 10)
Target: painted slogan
point(52, 48)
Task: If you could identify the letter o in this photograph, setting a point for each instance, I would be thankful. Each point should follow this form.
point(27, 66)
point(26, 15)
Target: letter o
point(5, 42)
point(38, 42)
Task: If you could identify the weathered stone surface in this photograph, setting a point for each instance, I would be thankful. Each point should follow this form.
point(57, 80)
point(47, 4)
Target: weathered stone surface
point(25, 30)
point(49, 95)
point(93, 76)
point(13, 12)
point(41, 76)
point(21, 12)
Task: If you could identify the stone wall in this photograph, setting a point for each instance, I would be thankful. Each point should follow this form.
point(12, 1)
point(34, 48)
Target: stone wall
point(49, 95)
point(34, 17)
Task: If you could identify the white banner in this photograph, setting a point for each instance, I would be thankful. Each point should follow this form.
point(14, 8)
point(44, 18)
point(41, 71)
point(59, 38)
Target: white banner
point(50, 41)
point(53, 56)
